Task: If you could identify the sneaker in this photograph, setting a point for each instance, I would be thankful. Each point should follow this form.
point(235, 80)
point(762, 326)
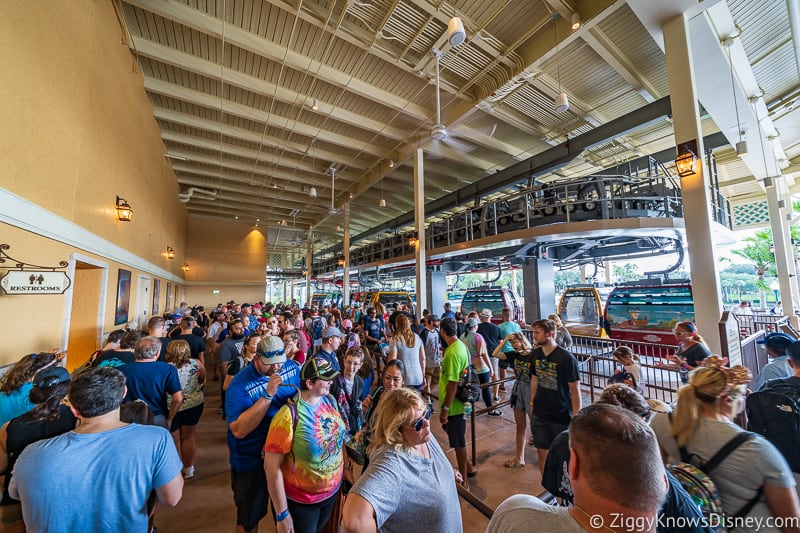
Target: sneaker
point(494, 412)
point(188, 473)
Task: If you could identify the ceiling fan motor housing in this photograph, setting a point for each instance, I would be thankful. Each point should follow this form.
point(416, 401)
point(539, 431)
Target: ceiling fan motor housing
point(439, 132)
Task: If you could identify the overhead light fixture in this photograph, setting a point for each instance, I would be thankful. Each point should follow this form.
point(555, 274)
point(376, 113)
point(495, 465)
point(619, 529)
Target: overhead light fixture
point(315, 105)
point(338, 228)
point(185, 267)
point(350, 196)
point(236, 217)
point(124, 210)
point(561, 102)
point(576, 20)
point(741, 146)
point(686, 162)
point(170, 253)
point(340, 261)
point(391, 163)
point(455, 32)
point(413, 241)
point(312, 192)
point(283, 222)
point(382, 202)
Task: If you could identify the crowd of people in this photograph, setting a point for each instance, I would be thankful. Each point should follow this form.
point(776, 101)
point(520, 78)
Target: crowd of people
point(329, 414)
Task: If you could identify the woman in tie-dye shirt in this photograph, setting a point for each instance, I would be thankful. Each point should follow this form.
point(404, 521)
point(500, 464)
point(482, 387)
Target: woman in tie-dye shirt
point(303, 453)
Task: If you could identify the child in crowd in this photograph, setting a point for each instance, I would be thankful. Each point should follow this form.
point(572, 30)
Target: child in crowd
point(631, 372)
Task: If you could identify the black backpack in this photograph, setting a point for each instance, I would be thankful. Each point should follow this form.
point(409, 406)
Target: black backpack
point(774, 412)
point(469, 386)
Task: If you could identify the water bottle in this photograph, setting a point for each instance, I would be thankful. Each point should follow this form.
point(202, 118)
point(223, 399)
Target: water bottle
point(467, 410)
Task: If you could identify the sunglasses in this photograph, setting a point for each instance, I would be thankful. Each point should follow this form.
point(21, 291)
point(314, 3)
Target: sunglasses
point(418, 423)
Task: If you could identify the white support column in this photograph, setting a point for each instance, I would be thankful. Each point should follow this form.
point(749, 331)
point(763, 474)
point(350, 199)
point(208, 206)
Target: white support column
point(346, 248)
point(694, 188)
point(419, 222)
point(309, 256)
point(784, 251)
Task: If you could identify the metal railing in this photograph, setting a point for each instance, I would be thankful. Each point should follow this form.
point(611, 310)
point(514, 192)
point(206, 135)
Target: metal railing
point(768, 323)
point(599, 197)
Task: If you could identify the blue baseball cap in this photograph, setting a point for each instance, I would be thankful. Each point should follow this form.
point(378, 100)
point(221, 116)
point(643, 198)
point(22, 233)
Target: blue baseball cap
point(777, 341)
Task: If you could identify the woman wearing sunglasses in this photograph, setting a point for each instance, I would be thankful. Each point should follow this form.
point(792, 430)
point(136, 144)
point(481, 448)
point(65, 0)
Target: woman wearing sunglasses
point(406, 462)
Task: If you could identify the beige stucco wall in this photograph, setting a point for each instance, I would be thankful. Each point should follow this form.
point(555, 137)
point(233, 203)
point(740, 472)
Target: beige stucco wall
point(228, 256)
point(78, 130)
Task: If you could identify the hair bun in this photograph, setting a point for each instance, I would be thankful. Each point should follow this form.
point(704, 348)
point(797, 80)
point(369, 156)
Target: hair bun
point(739, 375)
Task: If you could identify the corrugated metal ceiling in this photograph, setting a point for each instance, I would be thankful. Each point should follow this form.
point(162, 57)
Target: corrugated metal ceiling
point(239, 119)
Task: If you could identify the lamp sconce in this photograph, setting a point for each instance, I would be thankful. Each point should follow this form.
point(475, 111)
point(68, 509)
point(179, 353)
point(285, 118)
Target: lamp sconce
point(340, 261)
point(686, 162)
point(575, 21)
point(124, 210)
point(185, 267)
point(413, 241)
point(170, 253)
point(305, 273)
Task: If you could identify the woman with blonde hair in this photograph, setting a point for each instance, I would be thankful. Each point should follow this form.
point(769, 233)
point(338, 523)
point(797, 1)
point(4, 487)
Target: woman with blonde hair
point(754, 480)
point(407, 346)
point(521, 360)
point(192, 375)
point(563, 338)
point(406, 461)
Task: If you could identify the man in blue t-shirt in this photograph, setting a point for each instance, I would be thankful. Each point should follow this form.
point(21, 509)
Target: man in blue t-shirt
point(79, 482)
point(252, 399)
point(151, 381)
point(374, 329)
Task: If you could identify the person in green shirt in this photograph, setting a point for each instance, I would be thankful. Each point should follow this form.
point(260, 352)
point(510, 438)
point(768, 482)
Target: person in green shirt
point(451, 415)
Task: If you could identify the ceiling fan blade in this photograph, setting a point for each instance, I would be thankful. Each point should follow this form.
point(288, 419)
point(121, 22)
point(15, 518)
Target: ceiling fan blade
point(434, 149)
point(459, 145)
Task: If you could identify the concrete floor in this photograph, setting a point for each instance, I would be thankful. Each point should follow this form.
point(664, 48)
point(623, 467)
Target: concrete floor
point(207, 503)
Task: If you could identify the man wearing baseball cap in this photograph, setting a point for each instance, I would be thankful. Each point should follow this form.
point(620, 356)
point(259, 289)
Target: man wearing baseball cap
point(252, 399)
point(331, 340)
point(776, 345)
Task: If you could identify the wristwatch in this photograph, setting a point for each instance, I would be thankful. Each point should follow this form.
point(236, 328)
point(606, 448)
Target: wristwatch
point(445, 408)
point(267, 396)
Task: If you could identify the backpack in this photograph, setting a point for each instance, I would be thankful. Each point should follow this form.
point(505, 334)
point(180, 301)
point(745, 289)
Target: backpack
point(469, 386)
point(698, 483)
point(87, 365)
point(774, 412)
point(317, 325)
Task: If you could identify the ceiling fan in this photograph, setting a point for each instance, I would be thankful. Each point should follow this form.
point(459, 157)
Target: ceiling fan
point(439, 133)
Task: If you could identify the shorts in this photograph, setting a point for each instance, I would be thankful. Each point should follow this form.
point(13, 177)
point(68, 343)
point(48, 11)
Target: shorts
point(457, 431)
point(187, 417)
point(433, 372)
point(521, 396)
point(544, 432)
point(251, 496)
point(495, 365)
point(502, 363)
